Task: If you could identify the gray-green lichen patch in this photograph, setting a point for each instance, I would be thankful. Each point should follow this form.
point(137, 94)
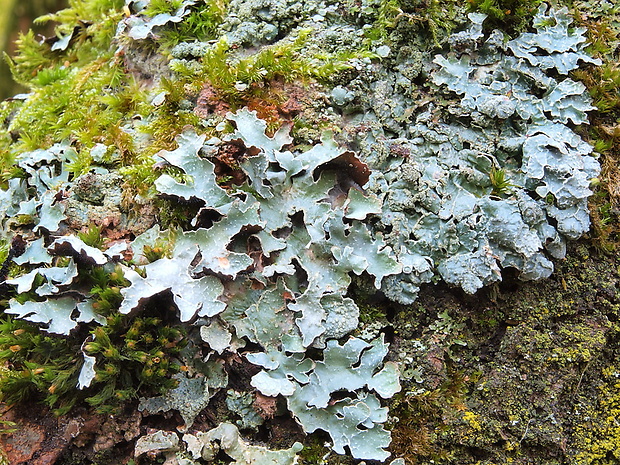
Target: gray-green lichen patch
point(263, 21)
point(499, 181)
point(478, 172)
point(189, 294)
point(242, 405)
point(284, 298)
point(97, 198)
point(141, 26)
point(190, 397)
point(226, 438)
point(159, 441)
point(606, 9)
point(308, 386)
point(282, 195)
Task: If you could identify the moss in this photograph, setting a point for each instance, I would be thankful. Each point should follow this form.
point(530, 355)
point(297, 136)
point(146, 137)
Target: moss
point(92, 237)
point(200, 25)
point(511, 16)
point(603, 83)
point(500, 183)
point(314, 452)
point(38, 365)
point(80, 94)
point(132, 355)
point(83, 94)
point(237, 81)
point(424, 417)
point(16, 17)
point(436, 18)
point(372, 307)
point(61, 104)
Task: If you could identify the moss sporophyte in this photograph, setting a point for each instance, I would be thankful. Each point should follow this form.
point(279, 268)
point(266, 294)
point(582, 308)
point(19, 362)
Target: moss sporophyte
point(189, 186)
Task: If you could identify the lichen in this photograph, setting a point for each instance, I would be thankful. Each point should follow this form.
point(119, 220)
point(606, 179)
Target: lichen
point(226, 438)
point(265, 219)
point(441, 213)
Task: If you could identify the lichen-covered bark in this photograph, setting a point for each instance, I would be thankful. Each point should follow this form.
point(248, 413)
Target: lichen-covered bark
point(523, 373)
point(233, 205)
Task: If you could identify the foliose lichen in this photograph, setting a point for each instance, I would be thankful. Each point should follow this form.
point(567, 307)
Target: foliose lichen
point(272, 233)
point(442, 213)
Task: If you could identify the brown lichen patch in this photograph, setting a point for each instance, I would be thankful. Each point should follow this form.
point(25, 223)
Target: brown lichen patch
point(275, 102)
point(266, 406)
point(227, 159)
point(22, 447)
point(209, 103)
point(282, 102)
point(117, 429)
point(39, 438)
